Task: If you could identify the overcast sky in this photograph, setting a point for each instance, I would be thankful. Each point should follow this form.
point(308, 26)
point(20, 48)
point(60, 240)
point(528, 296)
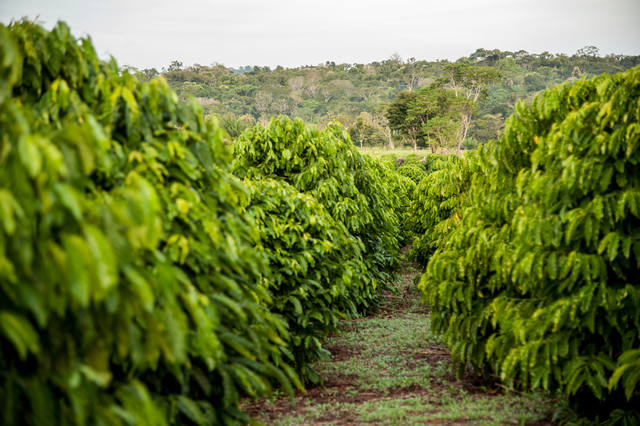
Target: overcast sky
point(152, 33)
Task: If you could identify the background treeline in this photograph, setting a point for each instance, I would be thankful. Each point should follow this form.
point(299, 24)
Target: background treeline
point(358, 95)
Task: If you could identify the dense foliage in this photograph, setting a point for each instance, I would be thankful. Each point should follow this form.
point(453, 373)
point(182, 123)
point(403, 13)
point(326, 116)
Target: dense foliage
point(413, 160)
point(402, 189)
point(406, 190)
point(412, 171)
point(129, 281)
point(435, 162)
point(437, 197)
point(316, 267)
point(431, 116)
point(538, 280)
point(327, 92)
point(395, 161)
point(325, 164)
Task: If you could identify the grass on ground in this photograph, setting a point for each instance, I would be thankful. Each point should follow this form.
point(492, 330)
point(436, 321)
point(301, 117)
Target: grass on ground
point(401, 152)
point(389, 369)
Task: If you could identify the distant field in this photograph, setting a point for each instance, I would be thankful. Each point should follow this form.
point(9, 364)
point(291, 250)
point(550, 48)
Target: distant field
point(399, 152)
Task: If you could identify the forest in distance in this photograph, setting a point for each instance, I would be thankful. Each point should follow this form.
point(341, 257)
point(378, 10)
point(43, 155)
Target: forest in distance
point(387, 103)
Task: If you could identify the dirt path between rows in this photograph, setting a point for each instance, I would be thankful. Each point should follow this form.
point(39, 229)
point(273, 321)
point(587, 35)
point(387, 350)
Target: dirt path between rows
point(389, 369)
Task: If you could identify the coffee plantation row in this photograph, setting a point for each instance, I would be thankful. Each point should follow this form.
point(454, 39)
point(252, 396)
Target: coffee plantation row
point(152, 271)
point(532, 248)
point(146, 276)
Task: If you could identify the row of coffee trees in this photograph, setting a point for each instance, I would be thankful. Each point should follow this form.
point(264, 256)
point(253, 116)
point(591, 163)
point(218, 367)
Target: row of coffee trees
point(531, 247)
point(149, 275)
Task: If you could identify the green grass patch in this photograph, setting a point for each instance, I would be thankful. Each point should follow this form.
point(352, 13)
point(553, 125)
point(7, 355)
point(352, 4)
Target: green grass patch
point(391, 369)
point(399, 152)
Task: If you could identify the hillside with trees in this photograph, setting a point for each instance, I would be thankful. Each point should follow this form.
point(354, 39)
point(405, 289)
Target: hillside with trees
point(360, 95)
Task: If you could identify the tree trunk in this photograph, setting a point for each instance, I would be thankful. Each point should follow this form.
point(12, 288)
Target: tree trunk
point(390, 139)
point(432, 147)
point(465, 123)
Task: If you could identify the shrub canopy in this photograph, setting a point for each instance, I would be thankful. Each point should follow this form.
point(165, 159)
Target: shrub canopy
point(326, 165)
point(128, 274)
point(539, 279)
point(314, 267)
point(437, 197)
